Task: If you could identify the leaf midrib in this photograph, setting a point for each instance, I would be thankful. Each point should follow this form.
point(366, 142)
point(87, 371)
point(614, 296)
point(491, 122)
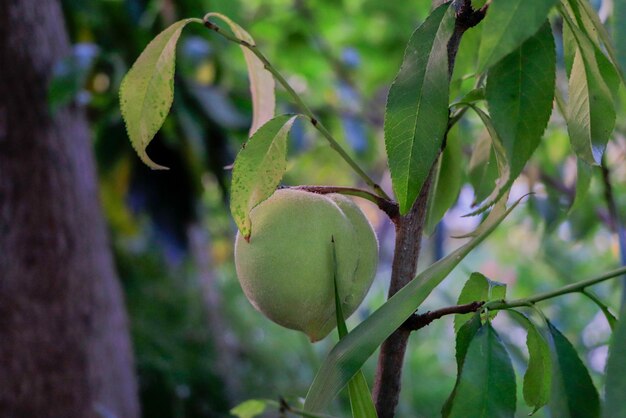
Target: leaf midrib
point(429, 63)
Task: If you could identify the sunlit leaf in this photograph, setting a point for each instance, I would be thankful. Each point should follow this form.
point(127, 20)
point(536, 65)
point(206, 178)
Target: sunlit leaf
point(520, 91)
point(250, 409)
point(258, 169)
point(573, 392)
point(614, 405)
point(538, 376)
point(478, 288)
point(253, 408)
point(349, 355)
point(509, 23)
point(487, 385)
point(416, 117)
point(147, 91)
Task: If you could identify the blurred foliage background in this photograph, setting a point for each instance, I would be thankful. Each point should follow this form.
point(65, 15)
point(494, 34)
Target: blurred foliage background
point(200, 347)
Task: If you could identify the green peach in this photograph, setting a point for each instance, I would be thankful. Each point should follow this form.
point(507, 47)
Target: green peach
point(286, 269)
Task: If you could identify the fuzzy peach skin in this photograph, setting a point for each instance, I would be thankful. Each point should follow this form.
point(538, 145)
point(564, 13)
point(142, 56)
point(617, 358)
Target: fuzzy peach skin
point(286, 269)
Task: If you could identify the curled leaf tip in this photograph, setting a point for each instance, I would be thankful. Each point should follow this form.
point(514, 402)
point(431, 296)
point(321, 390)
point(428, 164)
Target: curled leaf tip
point(159, 167)
point(148, 161)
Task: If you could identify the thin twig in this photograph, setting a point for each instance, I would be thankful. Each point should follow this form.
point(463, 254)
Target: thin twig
point(389, 207)
point(571, 288)
point(301, 104)
point(416, 321)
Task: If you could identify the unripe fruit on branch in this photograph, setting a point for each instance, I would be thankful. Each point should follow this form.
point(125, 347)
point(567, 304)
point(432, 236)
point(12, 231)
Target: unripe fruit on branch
point(287, 270)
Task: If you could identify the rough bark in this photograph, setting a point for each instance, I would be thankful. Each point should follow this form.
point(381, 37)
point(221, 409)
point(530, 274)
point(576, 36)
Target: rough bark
point(409, 229)
point(64, 343)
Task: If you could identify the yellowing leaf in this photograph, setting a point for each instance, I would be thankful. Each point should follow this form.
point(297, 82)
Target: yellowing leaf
point(258, 169)
point(147, 91)
point(261, 81)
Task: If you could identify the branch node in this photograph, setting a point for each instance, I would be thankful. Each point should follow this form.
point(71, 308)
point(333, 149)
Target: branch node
point(416, 321)
point(211, 25)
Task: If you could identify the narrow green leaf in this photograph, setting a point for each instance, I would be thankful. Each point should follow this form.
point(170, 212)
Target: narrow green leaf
point(483, 169)
point(262, 84)
point(509, 23)
point(487, 385)
point(573, 392)
point(614, 405)
point(446, 182)
point(538, 376)
point(574, 10)
point(147, 91)
point(416, 117)
point(258, 169)
point(502, 183)
point(569, 49)
point(349, 355)
point(361, 401)
point(590, 19)
point(519, 92)
point(619, 32)
point(464, 337)
point(478, 288)
point(590, 109)
point(610, 318)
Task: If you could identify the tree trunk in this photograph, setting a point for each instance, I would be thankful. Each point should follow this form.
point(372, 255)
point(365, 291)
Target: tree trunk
point(64, 344)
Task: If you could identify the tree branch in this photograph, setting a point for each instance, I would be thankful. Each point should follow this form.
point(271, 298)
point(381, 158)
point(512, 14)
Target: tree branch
point(388, 206)
point(409, 229)
point(416, 321)
point(466, 18)
point(571, 288)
